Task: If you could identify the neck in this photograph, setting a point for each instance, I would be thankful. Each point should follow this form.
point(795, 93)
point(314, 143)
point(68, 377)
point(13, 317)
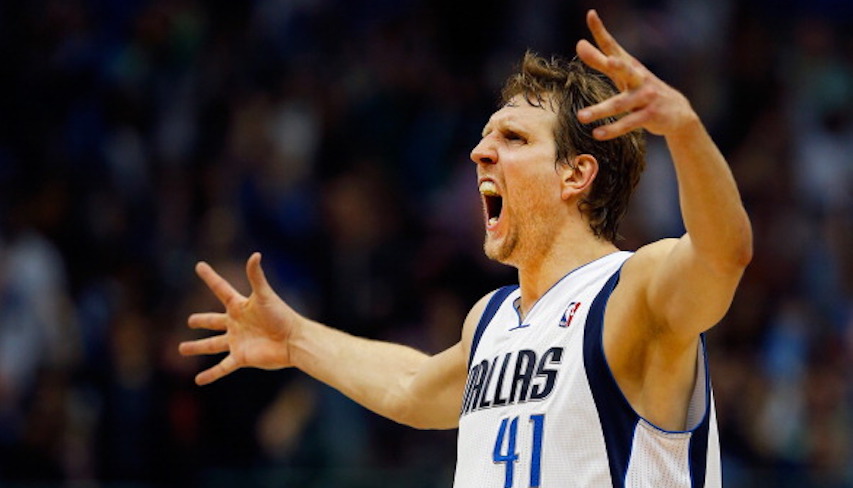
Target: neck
point(540, 273)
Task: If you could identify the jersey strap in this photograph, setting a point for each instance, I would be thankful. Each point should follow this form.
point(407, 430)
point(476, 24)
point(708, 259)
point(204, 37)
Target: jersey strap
point(621, 419)
point(618, 418)
point(489, 313)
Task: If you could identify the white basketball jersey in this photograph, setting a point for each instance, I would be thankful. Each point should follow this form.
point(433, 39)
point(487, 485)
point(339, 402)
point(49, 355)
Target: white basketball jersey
point(542, 409)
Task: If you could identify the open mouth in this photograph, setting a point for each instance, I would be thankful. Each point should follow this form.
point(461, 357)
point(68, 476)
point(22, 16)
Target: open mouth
point(492, 202)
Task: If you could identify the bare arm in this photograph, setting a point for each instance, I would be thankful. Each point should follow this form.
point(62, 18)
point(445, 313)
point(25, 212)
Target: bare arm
point(689, 282)
point(673, 289)
point(393, 380)
point(262, 331)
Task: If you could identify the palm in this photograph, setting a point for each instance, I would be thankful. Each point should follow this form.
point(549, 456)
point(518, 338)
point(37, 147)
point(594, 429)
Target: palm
point(255, 330)
point(256, 335)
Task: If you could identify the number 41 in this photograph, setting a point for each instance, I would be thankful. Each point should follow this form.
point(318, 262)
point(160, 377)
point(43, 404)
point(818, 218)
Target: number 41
point(505, 452)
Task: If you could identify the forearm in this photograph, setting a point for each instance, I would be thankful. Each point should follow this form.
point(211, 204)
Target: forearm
point(378, 375)
point(711, 206)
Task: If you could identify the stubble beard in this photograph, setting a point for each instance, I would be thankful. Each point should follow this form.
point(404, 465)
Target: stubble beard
point(501, 251)
point(529, 241)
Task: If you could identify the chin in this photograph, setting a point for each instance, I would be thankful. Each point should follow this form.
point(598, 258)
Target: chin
point(499, 251)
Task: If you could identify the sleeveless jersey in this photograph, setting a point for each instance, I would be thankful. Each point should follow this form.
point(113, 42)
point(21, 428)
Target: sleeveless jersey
point(541, 407)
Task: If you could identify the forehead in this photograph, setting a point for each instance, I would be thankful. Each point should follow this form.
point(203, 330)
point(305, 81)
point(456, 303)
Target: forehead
point(519, 114)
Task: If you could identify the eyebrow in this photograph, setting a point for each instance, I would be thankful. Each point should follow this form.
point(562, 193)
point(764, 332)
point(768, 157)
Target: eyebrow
point(508, 123)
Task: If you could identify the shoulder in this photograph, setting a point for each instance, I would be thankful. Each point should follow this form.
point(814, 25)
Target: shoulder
point(629, 303)
point(646, 259)
point(639, 270)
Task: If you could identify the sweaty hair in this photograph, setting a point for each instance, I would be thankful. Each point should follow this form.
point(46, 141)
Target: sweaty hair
point(568, 86)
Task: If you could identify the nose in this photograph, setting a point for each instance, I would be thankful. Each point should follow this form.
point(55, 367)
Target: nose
point(484, 152)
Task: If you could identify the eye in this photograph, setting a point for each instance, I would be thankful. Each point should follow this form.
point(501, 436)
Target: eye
point(514, 137)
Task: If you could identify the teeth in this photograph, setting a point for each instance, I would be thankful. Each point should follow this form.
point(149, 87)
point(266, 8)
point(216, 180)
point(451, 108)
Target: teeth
point(493, 221)
point(489, 188)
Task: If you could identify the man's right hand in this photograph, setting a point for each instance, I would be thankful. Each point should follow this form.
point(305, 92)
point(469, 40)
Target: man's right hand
point(255, 330)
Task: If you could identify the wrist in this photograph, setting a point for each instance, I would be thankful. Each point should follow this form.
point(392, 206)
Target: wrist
point(689, 127)
point(300, 348)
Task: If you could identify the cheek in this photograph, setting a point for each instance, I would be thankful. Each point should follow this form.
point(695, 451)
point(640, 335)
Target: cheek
point(534, 198)
point(531, 181)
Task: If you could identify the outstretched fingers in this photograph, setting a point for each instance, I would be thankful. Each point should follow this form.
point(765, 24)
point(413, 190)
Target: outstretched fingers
point(592, 56)
point(639, 88)
point(220, 322)
point(617, 105)
point(606, 42)
point(208, 345)
point(609, 57)
point(220, 370)
point(217, 284)
point(624, 73)
point(257, 278)
point(208, 320)
point(632, 121)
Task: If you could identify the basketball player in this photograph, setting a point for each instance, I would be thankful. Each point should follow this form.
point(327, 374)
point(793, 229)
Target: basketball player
point(592, 371)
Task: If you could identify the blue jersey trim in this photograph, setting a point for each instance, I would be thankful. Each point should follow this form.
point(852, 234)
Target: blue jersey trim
point(563, 278)
point(618, 419)
point(489, 313)
point(698, 450)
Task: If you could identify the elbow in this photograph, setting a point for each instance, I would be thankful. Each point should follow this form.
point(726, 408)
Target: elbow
point(415, 415)
point(399, 410)
point(744, 252)
point(731, 252)
point(403, 413)
point(740, 248)
point(745, 256)
point(418, 423)
point(412, 417)
point(403, 410)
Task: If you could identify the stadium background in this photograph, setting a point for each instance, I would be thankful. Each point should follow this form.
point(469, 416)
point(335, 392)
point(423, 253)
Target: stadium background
point(137, 137)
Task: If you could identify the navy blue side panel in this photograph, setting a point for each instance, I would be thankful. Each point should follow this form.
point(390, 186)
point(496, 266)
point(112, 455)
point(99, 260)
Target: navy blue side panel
point(618, 419)
point(490, 311)
point(698, 450)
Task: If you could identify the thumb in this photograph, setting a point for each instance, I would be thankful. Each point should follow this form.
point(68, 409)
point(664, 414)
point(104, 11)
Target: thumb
point(257, 279)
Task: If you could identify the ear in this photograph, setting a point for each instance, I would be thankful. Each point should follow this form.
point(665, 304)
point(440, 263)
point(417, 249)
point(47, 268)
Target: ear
point(578, 175)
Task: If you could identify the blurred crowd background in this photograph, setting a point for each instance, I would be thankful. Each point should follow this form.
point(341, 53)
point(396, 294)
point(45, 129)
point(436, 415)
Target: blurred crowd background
point(138, 137)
